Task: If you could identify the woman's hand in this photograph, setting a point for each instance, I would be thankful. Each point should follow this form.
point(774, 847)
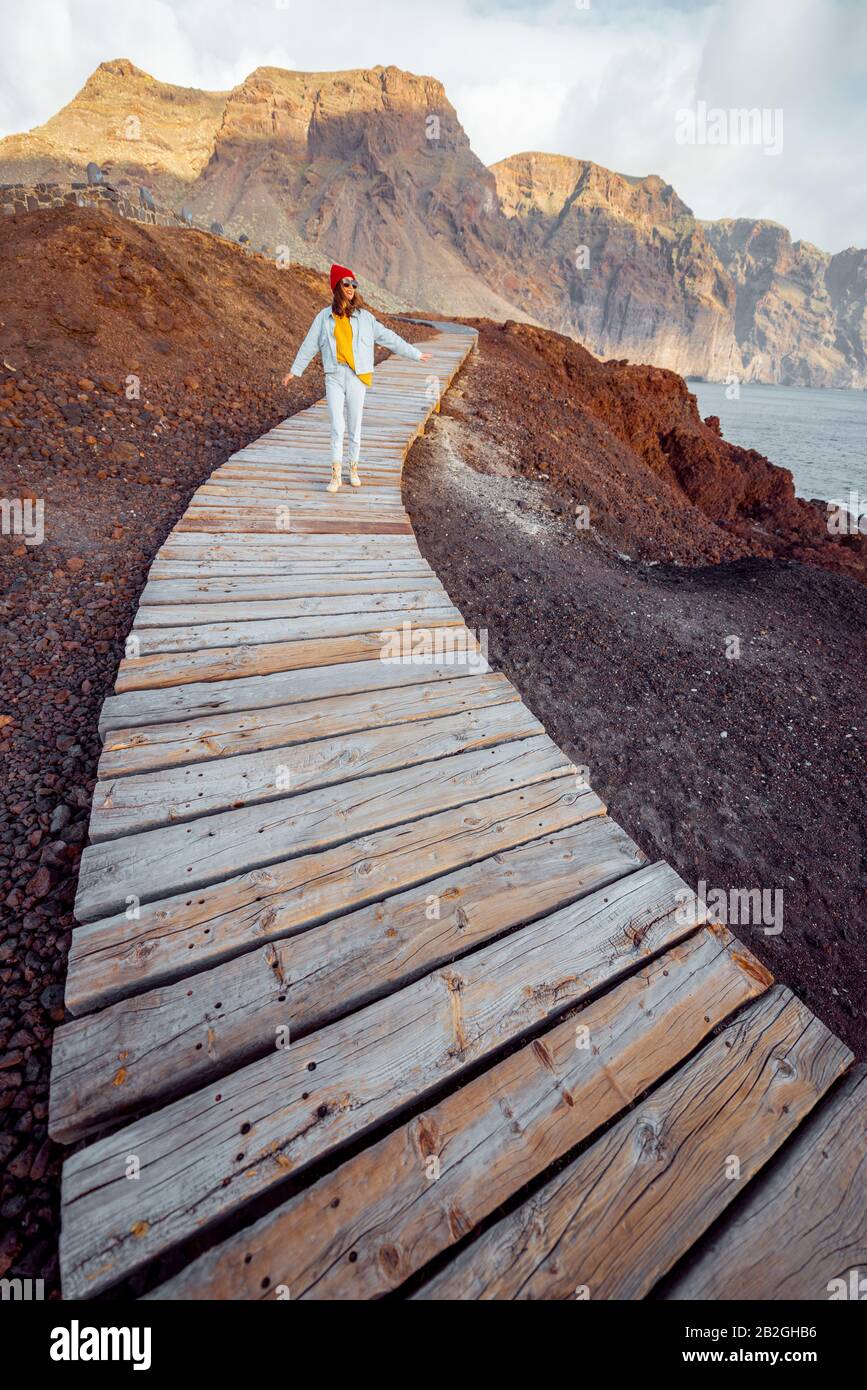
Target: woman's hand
point(425, 357)
point(290, 376)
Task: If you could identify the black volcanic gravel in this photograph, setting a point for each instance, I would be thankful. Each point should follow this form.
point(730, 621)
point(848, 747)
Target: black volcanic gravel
point(745, 773)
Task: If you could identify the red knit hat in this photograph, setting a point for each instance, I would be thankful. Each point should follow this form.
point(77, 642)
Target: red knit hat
point(340, 272)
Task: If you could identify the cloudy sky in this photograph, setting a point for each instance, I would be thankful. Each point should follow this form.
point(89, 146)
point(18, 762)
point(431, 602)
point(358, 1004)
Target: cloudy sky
point(601, 79)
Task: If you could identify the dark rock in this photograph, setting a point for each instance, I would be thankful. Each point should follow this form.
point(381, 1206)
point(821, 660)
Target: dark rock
point(51, 997)
point(39, 886)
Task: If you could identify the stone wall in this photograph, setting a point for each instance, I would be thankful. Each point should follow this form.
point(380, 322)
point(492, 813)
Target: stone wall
point(22, 197)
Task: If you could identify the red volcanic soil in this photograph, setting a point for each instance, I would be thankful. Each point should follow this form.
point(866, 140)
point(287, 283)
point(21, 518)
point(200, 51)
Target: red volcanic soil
point(628, 443)
point(86, 302)
point(741, 762)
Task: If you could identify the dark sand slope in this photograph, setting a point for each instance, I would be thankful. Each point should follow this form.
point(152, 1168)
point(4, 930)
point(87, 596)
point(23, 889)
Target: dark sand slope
point(746, 773)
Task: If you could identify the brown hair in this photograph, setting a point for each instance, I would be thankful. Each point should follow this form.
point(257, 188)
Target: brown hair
point(339, 304)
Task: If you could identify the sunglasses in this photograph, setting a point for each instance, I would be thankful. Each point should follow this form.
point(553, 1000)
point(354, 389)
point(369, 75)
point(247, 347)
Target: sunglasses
point(353, 283)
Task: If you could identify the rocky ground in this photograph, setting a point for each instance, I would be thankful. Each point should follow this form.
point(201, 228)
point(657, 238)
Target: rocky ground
point(741, 762)
point(88, 302)
point(134, 359)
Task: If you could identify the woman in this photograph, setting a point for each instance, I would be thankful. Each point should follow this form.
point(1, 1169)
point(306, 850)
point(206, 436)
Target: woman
point(345, 334)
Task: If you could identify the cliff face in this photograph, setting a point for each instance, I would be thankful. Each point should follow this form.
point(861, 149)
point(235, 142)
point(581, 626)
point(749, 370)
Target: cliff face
point(619, 263)
point(373, 168)
point(801, 314)
point(703, 298)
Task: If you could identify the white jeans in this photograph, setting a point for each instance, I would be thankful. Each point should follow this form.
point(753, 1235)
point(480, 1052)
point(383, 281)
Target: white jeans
point(345, 396)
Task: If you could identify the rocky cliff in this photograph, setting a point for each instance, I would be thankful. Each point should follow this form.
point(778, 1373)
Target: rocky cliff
point(620, 263)
point(372, 167)
point(800, 312)
point(636, 274)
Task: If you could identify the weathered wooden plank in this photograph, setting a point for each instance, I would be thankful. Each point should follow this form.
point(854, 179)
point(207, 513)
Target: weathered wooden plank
point(296, 463)
point(250, 485)
point(364, 1229)
point(618, 1217)
point(233, 498)
point(175, 937)
point(291, 513)
point(252, 481)
point(196, 638)
point(190, 614)
point(122, 806)
point(179, 858)
point(188, 545)
point(205, 521)
point(257, 481)
point(279, 548)
point(165, 669)
point(307, 484)
point(206, 1155)
point(301, 452)
point(381, 477)
point(801, 1225)
point(263, 556)
point(282, 504)
point(351, 552)
point(209, 698)
point(278, 586)
point(250, 493)
point(298, 481)
point(287, 515)
point(175, 1038)
point(294, 572)
point(293, 563)
point(128, 751)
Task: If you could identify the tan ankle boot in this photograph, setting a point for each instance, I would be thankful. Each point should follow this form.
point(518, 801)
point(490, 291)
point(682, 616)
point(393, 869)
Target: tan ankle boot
point(336, 477)
point(353, 475)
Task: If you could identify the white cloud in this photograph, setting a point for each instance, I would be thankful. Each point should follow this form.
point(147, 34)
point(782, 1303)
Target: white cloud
point(603, 83)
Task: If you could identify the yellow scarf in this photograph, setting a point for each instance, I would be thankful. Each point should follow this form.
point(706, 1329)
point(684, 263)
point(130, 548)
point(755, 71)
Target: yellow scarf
point(343, 343)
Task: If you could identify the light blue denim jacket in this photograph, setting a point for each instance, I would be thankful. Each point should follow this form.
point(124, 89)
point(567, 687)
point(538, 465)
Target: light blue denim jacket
point(367, 333)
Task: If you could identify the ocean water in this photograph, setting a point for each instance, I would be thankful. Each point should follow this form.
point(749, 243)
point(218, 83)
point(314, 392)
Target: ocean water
point(820, 435)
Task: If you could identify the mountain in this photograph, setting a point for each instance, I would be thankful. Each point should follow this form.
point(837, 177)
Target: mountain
point(372, 167)
point(800, 311)
point(340, 161)
point(629, 271)
point(703, 298)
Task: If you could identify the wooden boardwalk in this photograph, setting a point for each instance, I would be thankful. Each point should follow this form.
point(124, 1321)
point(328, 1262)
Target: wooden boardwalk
point(362, 965)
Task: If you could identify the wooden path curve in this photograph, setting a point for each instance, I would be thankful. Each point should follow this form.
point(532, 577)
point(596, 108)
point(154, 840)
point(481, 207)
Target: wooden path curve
point(362, 965)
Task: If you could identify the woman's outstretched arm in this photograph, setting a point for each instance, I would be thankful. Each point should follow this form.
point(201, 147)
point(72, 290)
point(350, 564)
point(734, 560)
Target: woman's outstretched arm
point(384, 337)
